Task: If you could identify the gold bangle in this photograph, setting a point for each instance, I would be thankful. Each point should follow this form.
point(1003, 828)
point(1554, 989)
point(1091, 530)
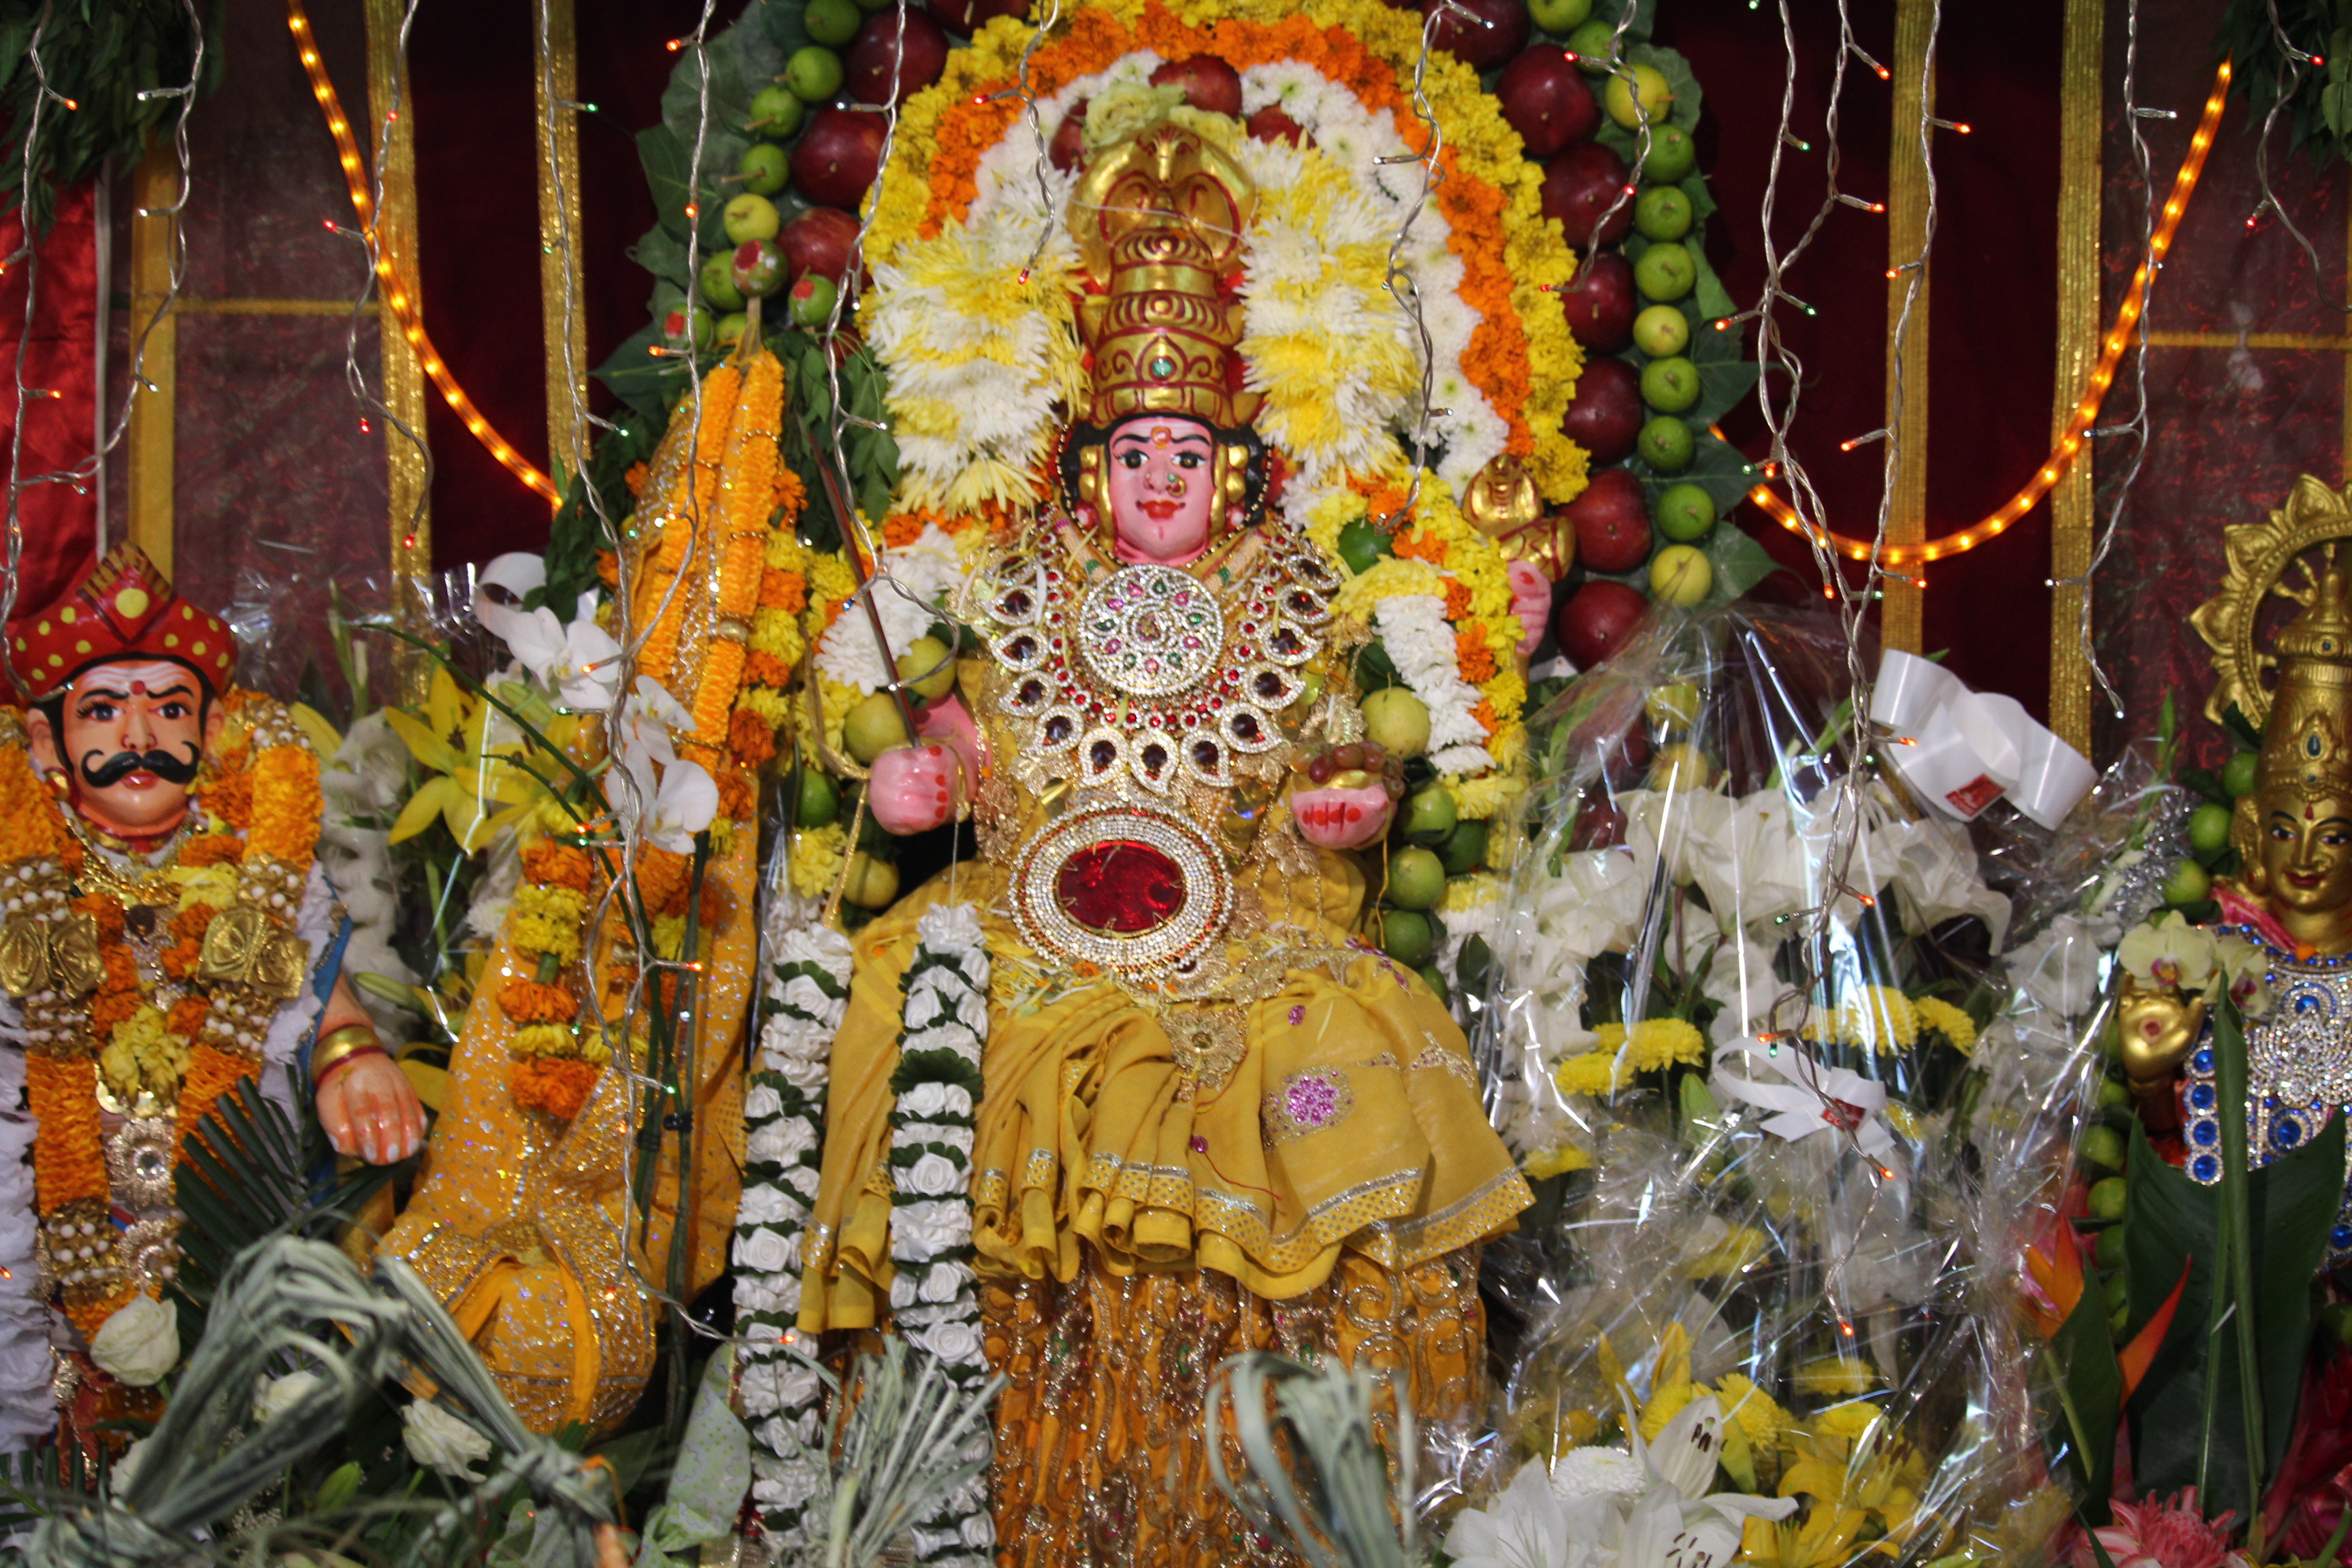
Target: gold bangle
point(339, 1047)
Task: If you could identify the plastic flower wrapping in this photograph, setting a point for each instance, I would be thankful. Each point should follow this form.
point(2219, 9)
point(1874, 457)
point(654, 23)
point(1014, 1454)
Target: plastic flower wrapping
point(1794, 1064)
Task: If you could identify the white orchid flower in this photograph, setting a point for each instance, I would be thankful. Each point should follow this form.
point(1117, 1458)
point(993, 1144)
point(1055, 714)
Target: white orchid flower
point(580, 662)
point(681, 807)
point(648, 721)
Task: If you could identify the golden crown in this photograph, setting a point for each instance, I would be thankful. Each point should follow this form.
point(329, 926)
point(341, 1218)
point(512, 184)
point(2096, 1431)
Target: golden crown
point(2304, 740)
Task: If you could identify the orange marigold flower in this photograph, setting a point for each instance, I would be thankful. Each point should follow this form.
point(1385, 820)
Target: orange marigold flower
point(230, 798)
point(548, 865)
point(791, 495)
point(661, 880)
point(186, 1016)
point(1419, 544)
point(212, 849)
point(1457, 599)
point(737, 799)
point(529, 1002)
point(750, 738)
point(786, 591)
point(767, 669)
point(608, 569)
point(1484, 714)
point(1471, 653)
point(212, 1072)
point(901, 529)
point(635, 479)
point(555, 1084)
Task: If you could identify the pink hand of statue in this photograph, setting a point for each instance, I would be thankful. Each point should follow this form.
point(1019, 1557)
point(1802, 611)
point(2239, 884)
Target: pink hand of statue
point(369, 1110)
point(1342, 819)
point(1531, 602)
point(913, 788)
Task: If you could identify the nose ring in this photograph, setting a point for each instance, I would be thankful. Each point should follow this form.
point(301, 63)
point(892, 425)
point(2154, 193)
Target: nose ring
point(1175, 484)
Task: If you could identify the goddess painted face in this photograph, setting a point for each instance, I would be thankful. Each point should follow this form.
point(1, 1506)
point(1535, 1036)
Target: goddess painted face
point(1161, 489)
point(129, 739)
point(2306, 855)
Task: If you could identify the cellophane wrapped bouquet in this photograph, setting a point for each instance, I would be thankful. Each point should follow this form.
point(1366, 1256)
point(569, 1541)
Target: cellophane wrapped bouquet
point(1795, 1065)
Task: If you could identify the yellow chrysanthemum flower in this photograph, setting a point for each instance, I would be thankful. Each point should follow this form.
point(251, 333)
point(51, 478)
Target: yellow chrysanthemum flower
point(817, 859)
point(1758, 1415)
point(1665, 1405)
point(1835, 1377)
point(543, 1040)
point(1879, 1017)
point(1939, 1016)
point(1555, 1162)
point(1591, 1073)
point(213, 885)
point(1735, 1254)
point(1655, 1043)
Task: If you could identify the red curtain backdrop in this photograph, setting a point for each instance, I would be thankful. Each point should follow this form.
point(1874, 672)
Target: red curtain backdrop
point(59, 525)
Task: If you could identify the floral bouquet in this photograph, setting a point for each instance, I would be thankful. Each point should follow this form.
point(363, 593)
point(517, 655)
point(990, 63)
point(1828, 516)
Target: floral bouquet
point(1761, 1035)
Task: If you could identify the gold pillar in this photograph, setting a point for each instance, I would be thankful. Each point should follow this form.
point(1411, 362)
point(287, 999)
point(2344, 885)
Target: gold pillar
point(154, 189)
point(2074, 520)
point(1906, 361)
point(560, 272)
point(404, 378)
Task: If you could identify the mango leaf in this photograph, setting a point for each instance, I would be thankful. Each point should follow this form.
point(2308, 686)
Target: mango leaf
point(1740, 563)
point(1712, 300)
point(663, 253)
point(2169, 1220)
point(663, 157)
point(647, 384)
point(1717, 467)
point(1723, 385)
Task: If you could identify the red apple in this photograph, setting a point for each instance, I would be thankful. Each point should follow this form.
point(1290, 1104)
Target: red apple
point(1600, 304)
point(1605, 416)
point(1599, 825)
point(1597, 621)
point(1069, 143)
point(1578, 186)
point(1209, 83)
point(877, 61)
point(1545, 99)
point(838, 156)
point(968, 17)
point(1613, 524)
point(819, 241)
point(1271, 124)
point(1493, 32)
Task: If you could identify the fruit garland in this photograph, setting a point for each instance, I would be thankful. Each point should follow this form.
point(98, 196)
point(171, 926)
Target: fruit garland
point(264, 779)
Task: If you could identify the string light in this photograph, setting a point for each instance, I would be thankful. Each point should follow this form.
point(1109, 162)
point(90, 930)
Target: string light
point(396, 293)
point(2086, 408)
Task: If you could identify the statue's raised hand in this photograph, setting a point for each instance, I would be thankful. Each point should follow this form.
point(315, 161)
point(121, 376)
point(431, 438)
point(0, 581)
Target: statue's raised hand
point(914, 788)
point(1342, 817)
point(1531, 602)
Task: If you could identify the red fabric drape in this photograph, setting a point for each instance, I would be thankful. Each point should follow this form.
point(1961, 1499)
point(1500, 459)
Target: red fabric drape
point(59, 525)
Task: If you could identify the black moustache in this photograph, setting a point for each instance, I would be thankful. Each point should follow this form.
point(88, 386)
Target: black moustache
point(165, 765)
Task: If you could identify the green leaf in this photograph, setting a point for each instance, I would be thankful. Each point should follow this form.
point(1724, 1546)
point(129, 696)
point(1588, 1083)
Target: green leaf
point(2169, 1218)
point(1739, 563)
point(1717, 467)
point(663, 253)
point(1708, 294)
point(1723, 385)
point(663, 157)
point(2090, 1389)
point(637, 378)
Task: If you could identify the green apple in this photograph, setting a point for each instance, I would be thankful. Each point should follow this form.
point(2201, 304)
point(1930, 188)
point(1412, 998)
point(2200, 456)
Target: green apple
point(1685, 514)
point(1361, 546)
point(758, 266)
point(820, 803)
point(1559, 16)
point(717, 276)
point(1662, 211)
point(776, 112)
point(1397, 722)
point(1680, 575)
point(813, 73)
point(871, 884)
point(2238, 774)
point(872, 727)
point(1680, 766)
point(811, 301)
point(730, 327)
point(1664, 273)
point(1670, 385)
point(1660, 330)
point(1428, 816)
point(1672, 155)
point(1416, 879)
point(927, 658)
point(1464, 848)
point(764, 168)
point(831, 22)
point(1591, 43)
point(1667, 444)
point(1405, 935)
point(1674, 706)
point(2189, 883)
point(749, 217)
point(1638, 94)
point(679, 327)
point(2209, 828)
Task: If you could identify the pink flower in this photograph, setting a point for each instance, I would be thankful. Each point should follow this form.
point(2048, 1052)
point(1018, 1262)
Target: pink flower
point(2164, 1534)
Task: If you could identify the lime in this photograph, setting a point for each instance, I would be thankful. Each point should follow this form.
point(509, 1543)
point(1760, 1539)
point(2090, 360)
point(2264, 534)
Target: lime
point(2238, 774)
point(776, 112)
point(1592, 43)
point(1665, 272)
point(2106, 1197)
point(2189, 883)
point(1670, 385)
point(1361, 546)
point(833, 22)
point(2209, 828)
point(2103, 1150)
point(2107, 1252)
point(1434, 978)
point(1661, 330)
point(764, 168)
point(1667, 444)
point(1674, 707)
point(820, 801)
point(928, 669)
point(2115, 1094)
point(1559, 16)
point(1429, 815)
point(1416, 879)
point(1464, 848)
point(1637, 94)
point(1405, 936)
point(1685, 514)
point(1672, 155)
point(872, 883)
point(717, 280)
point(2115, 1289)
point(1397, 722)
point(873, 726)
point(1680, 575)
point(813, 73)
point(2336, 1319)
point(1664, 212)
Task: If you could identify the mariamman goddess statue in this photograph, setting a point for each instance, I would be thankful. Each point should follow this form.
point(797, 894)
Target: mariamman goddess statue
point(167, 933)
point(1213, 1119)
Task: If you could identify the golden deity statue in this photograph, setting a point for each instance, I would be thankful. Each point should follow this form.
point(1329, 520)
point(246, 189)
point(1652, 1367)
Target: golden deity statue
point(1213, 1118)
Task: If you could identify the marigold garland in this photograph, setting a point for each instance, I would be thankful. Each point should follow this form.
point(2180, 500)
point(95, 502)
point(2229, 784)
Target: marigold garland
point(556, 1085)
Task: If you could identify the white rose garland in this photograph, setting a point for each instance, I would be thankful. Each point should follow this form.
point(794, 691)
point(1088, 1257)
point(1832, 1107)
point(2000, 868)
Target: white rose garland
point(934, 1298)
point(783, 1124)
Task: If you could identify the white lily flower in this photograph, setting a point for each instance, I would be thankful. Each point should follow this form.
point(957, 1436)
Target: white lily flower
point(1682, 1520)
point(1526, 1526)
